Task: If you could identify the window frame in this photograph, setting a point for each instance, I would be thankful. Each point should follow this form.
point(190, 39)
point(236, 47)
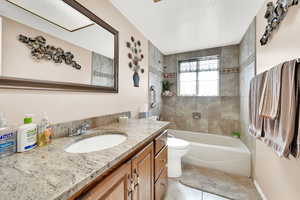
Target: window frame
point(198, 60)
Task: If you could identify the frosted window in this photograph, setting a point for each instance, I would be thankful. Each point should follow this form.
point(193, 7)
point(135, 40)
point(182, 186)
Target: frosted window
point(188, 83)
point(199, 77)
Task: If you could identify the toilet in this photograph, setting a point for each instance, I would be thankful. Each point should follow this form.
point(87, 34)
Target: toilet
point(176, 149)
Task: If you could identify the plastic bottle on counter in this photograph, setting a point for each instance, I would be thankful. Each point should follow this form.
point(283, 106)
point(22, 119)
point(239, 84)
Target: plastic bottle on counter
point(27, 135)
point(8, 141)
point(43, 131)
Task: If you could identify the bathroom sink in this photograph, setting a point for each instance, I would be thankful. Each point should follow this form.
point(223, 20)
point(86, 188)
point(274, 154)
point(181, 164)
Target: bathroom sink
point(96, 143)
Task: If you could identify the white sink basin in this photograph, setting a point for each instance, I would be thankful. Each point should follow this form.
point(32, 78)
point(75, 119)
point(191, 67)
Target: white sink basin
point(96, 143)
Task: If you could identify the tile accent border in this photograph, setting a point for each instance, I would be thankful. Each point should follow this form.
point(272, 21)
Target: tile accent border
point(170, 75)
point(230, 70)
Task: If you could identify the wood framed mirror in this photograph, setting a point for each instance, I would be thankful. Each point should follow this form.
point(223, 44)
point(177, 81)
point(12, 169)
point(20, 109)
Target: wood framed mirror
point(70, 49)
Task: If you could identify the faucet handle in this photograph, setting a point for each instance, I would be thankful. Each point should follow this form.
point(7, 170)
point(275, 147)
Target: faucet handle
point(72, 132)
point(82, 129)
point(86, 125)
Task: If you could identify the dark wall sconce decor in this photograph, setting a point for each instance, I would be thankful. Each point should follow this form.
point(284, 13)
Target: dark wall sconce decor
point(136, 56)
point(40, 50)
point(275, 15)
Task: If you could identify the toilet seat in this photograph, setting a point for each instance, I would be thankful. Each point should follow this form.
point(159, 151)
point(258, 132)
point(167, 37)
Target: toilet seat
point(176, 143)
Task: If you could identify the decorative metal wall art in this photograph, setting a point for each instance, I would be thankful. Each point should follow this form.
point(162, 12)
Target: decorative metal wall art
point(39, 50)
point(275, 15)
point(136, 56)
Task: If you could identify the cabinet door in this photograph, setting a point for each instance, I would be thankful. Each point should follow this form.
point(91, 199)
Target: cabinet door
point(160, 142)
point(161, 185)
point(142, 172)
point(160, 162)
point(114, 187)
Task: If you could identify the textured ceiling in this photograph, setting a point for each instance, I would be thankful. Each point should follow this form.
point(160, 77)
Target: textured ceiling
point(185, 25)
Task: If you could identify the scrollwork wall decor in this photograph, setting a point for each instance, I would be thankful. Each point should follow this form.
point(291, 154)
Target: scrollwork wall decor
point(136, 56)
point(40, 50)
point(275, 15)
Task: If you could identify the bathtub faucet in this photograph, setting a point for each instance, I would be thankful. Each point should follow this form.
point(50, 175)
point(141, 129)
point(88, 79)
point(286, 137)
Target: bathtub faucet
point(196, 115)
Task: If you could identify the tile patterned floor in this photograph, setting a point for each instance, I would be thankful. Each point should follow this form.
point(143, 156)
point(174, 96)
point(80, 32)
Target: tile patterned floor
point(178, 191)
point(217, 182)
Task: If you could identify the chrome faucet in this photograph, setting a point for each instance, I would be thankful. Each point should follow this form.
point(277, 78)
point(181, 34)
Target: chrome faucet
point(80, 130)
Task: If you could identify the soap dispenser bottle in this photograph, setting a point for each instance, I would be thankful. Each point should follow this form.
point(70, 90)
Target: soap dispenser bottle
point(27, 135)
point(7, 138)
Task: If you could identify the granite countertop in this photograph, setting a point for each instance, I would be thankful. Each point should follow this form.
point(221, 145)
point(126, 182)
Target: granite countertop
point(50, 173)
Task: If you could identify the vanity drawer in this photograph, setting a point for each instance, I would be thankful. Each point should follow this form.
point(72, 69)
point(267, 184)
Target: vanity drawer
point(161, 185)
point(160, 162)
point(160, 142)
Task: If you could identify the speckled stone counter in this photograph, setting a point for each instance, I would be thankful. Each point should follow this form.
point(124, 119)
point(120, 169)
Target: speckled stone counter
point(50, 173)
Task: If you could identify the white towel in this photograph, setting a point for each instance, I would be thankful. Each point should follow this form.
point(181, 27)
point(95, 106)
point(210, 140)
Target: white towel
point(270, 101)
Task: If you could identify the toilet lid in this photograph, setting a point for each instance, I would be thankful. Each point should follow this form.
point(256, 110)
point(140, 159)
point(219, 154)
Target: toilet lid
point(177, 143)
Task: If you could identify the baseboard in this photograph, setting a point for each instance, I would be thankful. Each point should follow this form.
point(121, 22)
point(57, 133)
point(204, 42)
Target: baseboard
point(258, 188)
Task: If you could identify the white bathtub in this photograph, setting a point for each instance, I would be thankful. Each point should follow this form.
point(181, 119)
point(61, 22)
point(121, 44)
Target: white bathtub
point(216, 152)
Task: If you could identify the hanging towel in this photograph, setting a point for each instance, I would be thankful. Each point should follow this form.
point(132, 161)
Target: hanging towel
point(269, 104)
point(256, 121)
point(296, 140)
point(279, 132)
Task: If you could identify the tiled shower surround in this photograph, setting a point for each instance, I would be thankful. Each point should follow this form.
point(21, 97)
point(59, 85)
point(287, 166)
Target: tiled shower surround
point(220, 114)
point(247, 72)
point(155, 77)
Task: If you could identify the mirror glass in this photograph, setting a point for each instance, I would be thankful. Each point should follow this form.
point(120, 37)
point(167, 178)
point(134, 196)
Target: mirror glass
point(50, 41)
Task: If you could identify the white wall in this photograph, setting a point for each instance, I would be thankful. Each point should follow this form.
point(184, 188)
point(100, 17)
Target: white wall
point(279, 178)
point(67, 106)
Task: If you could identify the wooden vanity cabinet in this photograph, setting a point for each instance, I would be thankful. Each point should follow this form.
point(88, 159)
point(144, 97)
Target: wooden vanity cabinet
point(160, 166)
point(142, 177)
point(117, 186)
point(142, 173)
point(160, 162)
point(161, 185)
point(160, 142)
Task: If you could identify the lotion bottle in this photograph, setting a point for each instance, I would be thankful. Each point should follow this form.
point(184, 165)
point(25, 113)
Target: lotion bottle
point(27, 135)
